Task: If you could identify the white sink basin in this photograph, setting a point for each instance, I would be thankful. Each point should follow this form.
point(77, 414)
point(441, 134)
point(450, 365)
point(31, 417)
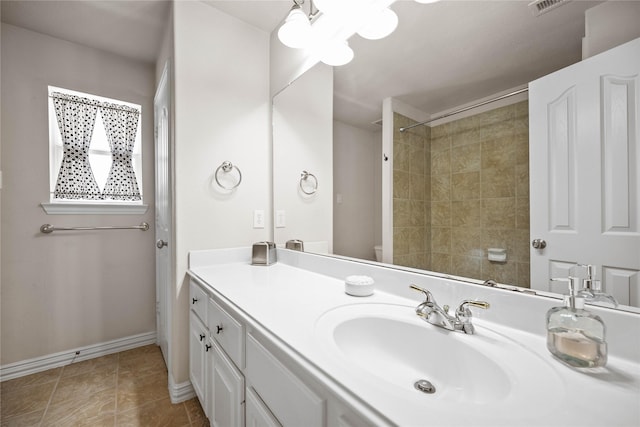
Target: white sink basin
point(389, 348)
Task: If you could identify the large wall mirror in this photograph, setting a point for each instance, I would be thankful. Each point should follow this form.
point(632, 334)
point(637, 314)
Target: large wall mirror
point(460, 185)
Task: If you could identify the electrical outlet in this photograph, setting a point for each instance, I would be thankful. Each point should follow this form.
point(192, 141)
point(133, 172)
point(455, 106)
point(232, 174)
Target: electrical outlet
point(258, 218)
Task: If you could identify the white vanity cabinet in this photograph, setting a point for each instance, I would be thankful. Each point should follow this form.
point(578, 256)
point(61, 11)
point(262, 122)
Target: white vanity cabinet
point(257, 413)
point(242, 378)
point(217, 381)
point(225, 390)
point(198, 340)
point(289, 399)
point(225, 381)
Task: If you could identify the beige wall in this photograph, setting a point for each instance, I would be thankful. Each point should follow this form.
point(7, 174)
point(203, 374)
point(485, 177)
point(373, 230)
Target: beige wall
point(411, 194)
point(221, 104)
point(67, 290)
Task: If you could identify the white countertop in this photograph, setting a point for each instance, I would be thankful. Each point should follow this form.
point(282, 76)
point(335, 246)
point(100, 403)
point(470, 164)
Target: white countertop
point(287, 301)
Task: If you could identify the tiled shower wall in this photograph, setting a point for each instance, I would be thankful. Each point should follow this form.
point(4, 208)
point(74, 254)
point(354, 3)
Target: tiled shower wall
point(478, 198)
point(411, 195)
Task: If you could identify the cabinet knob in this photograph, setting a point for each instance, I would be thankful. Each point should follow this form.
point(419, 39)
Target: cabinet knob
point(219, 329)
point(194, 300)
point(161, 244)
point(202, 337)
point(207, 347)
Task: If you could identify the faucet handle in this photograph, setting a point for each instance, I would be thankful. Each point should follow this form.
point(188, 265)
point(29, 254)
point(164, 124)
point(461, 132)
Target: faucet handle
point(462, 308)
point(428, 296)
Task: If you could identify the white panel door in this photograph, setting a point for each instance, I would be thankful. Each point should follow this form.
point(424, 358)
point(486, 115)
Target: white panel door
point(585, 171)
point(163, 214)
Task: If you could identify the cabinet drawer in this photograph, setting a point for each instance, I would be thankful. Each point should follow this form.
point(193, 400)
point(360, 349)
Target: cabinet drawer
point(227, 332)
point(198, 300)
point(288, 398)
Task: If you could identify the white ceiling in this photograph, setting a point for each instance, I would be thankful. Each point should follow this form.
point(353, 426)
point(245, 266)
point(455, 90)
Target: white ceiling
point(440, 56)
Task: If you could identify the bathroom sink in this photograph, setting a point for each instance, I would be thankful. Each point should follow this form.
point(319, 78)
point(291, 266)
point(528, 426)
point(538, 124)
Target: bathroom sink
point(389, 348)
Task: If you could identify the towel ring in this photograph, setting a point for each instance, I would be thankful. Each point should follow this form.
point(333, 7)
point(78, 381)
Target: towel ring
point(304, 177)
point(227, 167)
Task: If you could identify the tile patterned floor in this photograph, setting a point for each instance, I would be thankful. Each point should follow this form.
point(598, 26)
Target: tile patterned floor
point(123, 389)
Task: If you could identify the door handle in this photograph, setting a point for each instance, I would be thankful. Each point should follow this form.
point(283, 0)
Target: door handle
point(538, 244)
point(161, 244)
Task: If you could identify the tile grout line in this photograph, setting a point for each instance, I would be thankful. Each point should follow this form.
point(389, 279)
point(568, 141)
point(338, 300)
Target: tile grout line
point(115, 409)
point(53, 392)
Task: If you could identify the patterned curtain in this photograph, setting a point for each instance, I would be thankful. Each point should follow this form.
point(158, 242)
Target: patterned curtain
point(76, 119)
point(121, 125)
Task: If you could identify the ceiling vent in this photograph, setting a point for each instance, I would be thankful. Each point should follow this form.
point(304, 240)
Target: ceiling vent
point(539, 7)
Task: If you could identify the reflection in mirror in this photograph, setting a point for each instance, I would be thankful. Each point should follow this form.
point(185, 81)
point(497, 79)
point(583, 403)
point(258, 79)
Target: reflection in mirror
point(460, 188)
point(302, 142)
point(473, 194)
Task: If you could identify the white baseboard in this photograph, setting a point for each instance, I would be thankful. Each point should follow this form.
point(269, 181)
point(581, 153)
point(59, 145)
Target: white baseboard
point(39, 364)
point(180, 392)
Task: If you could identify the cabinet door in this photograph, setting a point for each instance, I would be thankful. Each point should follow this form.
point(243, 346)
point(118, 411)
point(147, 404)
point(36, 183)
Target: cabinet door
point(226, 392)
point(197, 340)
point(286, 395)
point(258, 415)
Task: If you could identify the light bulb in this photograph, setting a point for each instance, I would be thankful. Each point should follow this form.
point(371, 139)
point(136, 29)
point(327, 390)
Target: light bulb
point(336, 53)
point(380, 26)
point(296, 29)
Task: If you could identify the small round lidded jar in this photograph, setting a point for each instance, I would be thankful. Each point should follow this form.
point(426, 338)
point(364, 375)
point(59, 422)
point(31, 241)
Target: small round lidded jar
point(359, 286)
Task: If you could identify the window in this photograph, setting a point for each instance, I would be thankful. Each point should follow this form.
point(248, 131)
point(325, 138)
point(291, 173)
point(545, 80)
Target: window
point(95, 155)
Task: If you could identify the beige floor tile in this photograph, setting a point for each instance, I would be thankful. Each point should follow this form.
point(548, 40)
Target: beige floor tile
point(146, 364)
point(83, 385)
point(26, 399)
point(195, 412)
point(51, 375)
point(82, 407)
point(129, 387)
point(138, 352)
point(107, 363)
point(159, 413)
point(137, 391)
point(24, 420)
point(102, 421)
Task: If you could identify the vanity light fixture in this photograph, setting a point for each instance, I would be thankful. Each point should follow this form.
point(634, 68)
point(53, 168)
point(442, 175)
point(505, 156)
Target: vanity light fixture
point(371, 19)
point(336, 53)
point(296, 30)
point(382, 23)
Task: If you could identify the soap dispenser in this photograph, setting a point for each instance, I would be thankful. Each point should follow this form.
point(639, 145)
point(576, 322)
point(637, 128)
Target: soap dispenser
point(591, 289)
point(575, 335)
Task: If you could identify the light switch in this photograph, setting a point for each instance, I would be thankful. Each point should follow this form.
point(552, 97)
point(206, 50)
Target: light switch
point(281, 219)
point(339, 198)
point(258, 218)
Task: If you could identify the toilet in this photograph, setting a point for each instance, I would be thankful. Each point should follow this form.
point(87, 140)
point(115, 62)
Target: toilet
point(378, 249)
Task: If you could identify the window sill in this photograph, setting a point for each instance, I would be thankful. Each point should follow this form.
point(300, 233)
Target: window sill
point(93, 209)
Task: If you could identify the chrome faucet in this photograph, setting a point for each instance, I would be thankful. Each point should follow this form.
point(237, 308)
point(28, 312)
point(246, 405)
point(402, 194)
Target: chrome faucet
point(432, 313)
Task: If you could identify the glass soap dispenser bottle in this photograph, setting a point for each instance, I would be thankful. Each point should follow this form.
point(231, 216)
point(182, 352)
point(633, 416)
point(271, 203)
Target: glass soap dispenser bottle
point(575, 335)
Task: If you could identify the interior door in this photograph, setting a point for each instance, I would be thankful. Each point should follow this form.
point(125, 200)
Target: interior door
point(163, 213)
point(585, 172)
